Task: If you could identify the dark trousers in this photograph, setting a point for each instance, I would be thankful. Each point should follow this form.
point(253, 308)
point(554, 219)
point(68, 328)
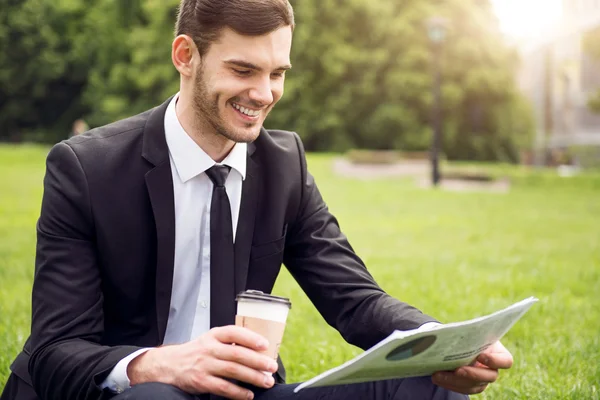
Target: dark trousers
point(399, 389)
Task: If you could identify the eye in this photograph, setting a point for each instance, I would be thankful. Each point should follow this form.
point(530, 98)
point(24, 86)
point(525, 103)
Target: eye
point(279, 74)
point(242, 72)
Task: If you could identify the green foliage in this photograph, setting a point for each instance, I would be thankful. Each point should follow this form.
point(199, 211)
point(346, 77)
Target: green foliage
point(455, 256)
point(41, 66)
point(372, 89)
point(362, 74)
point(585, 156)
point(594, 102)
point(133, 69)
point(591, 45)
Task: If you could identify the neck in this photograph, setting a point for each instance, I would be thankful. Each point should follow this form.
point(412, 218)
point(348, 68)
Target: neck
point(214, 144)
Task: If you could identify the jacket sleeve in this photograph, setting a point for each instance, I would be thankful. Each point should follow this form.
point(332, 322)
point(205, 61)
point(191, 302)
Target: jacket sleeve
point(335, 279)
point(67, 361)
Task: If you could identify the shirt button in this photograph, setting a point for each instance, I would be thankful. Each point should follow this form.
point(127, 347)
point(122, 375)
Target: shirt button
point(203, 304)
point(119, 390)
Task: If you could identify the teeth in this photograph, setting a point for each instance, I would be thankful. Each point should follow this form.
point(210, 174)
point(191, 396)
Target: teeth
point(244, 110)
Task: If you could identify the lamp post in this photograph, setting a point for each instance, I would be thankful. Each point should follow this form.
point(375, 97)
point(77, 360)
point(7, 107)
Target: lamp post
point(436, 29)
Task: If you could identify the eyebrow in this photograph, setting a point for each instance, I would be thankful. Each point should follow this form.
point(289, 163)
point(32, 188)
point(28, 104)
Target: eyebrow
point(244, 64)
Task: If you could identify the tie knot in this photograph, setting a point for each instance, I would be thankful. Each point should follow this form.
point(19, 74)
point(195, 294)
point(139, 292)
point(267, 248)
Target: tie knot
point(218, 174)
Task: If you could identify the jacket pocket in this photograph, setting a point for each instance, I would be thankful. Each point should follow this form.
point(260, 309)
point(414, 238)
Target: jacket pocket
point(267, 249)
point(265, 263)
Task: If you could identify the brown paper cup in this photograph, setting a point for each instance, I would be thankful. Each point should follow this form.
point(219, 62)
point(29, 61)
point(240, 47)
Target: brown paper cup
point(271, 330)
point(264, 314)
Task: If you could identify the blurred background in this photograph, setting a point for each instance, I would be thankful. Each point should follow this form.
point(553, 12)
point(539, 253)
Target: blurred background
point(495, 101)
point(519, 78)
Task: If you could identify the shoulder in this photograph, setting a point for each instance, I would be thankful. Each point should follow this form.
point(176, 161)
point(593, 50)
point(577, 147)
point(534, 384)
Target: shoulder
point(104, 148)
point(114, 134)
point(282, 142)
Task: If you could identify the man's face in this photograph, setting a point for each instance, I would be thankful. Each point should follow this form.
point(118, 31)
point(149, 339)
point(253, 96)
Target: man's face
point(239, 81)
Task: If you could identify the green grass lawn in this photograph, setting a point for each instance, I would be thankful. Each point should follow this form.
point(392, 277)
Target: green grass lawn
point(454, 255)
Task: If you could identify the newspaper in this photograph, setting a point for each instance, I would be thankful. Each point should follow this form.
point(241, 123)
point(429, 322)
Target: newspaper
point(421, 352)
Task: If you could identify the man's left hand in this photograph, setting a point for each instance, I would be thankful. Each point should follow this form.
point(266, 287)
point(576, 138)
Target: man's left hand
point(476, 377)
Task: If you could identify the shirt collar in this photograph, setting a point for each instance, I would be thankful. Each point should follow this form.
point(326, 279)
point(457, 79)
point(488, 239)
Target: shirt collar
point(189, 159)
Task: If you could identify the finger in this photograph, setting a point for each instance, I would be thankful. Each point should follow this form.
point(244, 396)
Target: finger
point(496, 360)
point(465, 382)
point(244, 356)
point(477, 364)
point(242, 336)
point(221, 387)
point(477, 374)
point(228, 369)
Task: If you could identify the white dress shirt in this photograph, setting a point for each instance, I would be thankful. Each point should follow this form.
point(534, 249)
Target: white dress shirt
point(192, 189)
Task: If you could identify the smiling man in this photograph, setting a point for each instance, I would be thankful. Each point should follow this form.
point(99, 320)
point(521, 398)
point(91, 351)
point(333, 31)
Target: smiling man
point(150, 226)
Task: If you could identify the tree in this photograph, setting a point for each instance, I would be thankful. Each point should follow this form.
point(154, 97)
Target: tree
point(364, 79)
point(41, 69)
point(490, 118)
point(361, 77)
point(358, 76)
point(133, 70)
point(591, 45)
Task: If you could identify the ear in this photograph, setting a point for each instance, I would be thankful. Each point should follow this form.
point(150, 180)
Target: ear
point(183, 52)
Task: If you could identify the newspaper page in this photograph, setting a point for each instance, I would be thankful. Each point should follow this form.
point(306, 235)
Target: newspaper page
point(421, 352)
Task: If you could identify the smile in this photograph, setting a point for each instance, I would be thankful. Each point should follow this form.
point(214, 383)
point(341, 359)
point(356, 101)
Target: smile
point(246, 111)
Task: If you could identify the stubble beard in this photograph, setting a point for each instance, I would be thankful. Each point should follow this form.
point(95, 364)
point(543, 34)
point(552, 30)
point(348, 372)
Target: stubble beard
point(207, 115)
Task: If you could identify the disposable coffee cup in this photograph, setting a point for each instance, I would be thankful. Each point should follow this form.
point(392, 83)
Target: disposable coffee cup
point(264, 314)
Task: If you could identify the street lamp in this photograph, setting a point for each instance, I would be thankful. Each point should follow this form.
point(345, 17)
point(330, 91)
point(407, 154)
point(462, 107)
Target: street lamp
point(436, 28)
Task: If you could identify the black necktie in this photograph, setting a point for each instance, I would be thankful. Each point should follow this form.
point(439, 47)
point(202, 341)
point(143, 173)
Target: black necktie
point(222, 290)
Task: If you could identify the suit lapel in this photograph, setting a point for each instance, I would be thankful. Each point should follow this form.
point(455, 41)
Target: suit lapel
point(160, 188)
point(159, 182)
point(246, 221)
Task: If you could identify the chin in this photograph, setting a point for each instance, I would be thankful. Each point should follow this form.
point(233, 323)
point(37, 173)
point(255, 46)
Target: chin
point(243, 135)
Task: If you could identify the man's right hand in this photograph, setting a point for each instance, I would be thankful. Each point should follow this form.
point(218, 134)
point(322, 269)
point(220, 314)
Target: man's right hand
point(203, 365)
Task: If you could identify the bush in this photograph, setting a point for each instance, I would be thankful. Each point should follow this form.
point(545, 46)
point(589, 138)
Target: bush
point(373, 156)
point(586, 156)
point(468, 176)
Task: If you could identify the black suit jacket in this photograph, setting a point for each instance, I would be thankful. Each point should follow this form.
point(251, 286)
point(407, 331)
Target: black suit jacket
point(105, 251)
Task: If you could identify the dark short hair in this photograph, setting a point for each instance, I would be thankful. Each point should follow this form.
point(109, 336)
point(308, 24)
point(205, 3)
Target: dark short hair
point(204, 20)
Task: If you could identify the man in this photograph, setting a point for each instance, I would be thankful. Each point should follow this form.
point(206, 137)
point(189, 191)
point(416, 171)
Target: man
point(151, 225)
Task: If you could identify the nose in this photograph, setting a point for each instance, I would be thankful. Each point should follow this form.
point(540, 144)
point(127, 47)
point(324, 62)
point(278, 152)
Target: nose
point(262, 92)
